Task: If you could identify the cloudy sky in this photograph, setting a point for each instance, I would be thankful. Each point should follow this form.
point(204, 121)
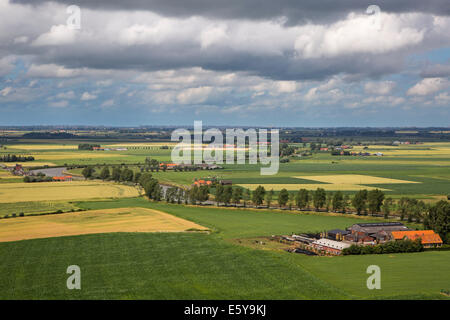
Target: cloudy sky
point(236, 62)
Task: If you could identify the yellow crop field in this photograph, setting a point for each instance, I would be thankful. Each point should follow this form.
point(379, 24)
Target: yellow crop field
point(94, 221)
point(73, 190)
point(312, 186)
point(7, 175)
point(76, 155)
point(28, 164)
point(434, 152)
point(143, 144)
point(43, 147)
point(353, 179)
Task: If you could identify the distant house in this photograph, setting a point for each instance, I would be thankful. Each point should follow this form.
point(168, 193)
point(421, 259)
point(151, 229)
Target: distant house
point(168, 165)
point(63, 178)
point(18, 170)
point(428, 237)
point(203, 182)
point(98, 149)
point(226, 182)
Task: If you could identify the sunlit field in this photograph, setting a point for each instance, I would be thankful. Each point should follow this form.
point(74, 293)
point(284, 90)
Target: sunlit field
point(95, 221)
point(74, 190)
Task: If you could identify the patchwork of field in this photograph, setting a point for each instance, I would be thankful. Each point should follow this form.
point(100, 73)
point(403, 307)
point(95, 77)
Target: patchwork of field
point(187, 265)
point(73, 190)
point(296, 187)
point(96, 221)
point(35, 207)
point(42, 147)
point(75, 155)
point(7, 175)
point(353, 179)
point(344, 182)
point(27, 164)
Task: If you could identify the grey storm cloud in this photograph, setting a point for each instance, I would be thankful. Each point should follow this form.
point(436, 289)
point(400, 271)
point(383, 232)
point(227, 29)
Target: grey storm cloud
point(436, 71)
point(269, 50)
point(297, 12)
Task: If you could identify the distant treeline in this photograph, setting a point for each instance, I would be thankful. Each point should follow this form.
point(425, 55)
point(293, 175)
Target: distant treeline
point(40, 178)
point(87, 146)
point(15, 158)
point(49, 135)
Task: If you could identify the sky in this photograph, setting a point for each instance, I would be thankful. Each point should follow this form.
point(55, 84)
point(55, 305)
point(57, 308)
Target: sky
point(296, 63)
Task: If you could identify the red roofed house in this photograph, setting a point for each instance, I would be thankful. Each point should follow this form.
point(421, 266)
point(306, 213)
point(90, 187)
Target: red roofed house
point(202, 182)
point(428, 237)
point(63, 178)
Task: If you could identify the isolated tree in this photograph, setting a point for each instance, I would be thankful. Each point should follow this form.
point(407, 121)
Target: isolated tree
point(88, 172)
point(359, 201)
point(237, 195)
point(269, 197)
point(104, 174)
point(438, 219)
point(219, 193)
point(137, 176)
point(319, 198)
point(283, 197)
point(227, 194)
point(345, 203)
point(387, 207)
point(126, 175)
point(116, 172)
point(302, 198)
point(258, 195)
point(247, 195)
point(403, 204)
point(203, 193)
point(338, 201)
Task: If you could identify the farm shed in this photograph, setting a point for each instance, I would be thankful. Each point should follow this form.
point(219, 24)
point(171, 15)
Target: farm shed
point(373, 228)
point(330, 246)
point(337, 234)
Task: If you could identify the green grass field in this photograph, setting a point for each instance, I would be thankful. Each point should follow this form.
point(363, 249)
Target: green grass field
point(202, 266)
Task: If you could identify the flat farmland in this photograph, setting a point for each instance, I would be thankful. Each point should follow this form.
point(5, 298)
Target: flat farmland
point(95, 221)
point(35, 207)
point(211, 266)
point(314, 186)
point(28, 164)
point(353, 179)
point(74, 190)
point(43, 147)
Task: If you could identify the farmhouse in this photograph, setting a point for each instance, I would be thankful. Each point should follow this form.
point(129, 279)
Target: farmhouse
point(428, 237)
point(330, 246)
point(62, 178)
point(18, 170)
point(203, 182)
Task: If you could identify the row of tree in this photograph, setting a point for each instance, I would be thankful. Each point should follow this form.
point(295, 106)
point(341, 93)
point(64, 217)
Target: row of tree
point(15, 158)
point(87, 146)
point(40, 177)
point(388, 247)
